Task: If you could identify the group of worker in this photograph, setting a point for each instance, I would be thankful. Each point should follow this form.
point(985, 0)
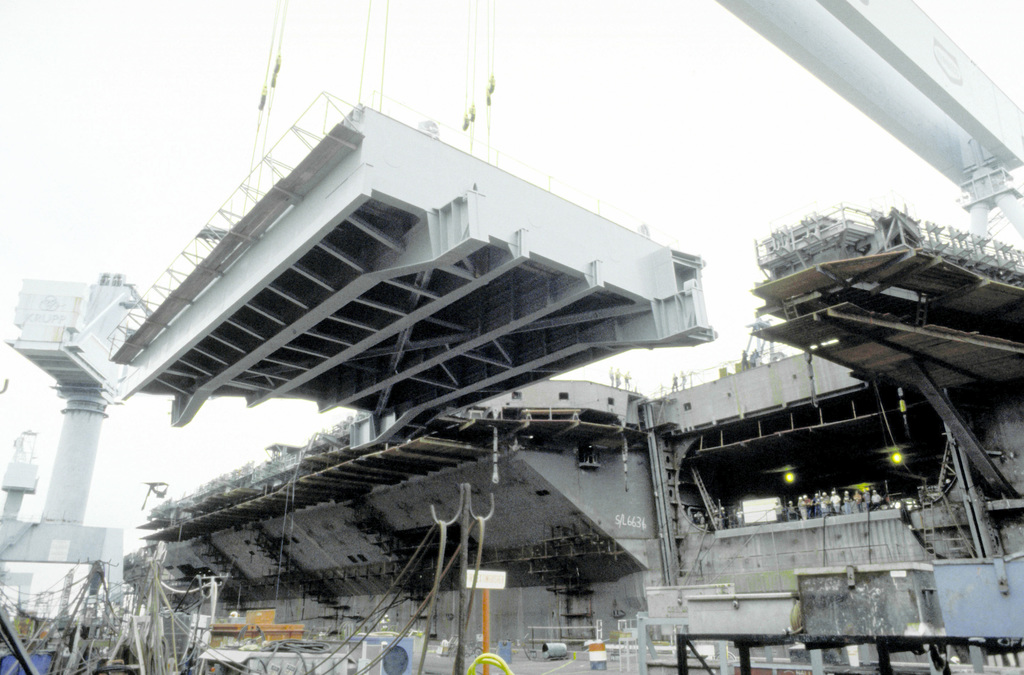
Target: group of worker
point(618, 378)
point(818, 505)
point(823, 504)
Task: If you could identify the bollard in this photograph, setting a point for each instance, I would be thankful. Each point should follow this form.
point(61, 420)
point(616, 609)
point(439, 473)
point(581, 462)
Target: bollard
point(598, 656)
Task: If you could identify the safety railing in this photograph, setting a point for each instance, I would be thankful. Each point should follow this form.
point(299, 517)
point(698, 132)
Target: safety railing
point(840, 224)
point(311, 127)
point(256, 475)
point(990, 256)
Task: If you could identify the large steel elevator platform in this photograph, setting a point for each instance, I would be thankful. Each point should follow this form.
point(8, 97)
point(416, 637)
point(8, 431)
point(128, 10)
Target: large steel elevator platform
point(394, 274)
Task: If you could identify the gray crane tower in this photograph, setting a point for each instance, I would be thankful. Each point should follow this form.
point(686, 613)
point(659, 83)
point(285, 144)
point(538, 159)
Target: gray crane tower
point(63, 326)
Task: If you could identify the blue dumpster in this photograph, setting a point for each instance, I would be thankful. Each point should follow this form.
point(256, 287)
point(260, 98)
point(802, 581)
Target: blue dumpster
point(10, 666)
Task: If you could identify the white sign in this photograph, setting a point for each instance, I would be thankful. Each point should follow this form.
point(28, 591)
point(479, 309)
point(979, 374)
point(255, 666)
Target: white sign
point(59, 550)
point(490, 579)
point(46, 308)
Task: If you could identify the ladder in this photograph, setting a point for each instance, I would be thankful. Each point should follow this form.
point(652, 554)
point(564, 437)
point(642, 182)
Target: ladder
point(962, 541)
point(958, 544)
point(709, 503)
point(65, 596)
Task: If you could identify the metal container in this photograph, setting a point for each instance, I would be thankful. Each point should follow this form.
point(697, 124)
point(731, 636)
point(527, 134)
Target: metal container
point(878, 599)
point(741, 613)
point(670, 602)
point(982, 597)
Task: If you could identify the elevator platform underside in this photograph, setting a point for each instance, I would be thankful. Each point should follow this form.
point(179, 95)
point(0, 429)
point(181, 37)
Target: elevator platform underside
point(412, 279)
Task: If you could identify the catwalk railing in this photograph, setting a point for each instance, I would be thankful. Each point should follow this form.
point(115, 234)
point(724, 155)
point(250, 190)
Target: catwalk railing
point(311, 128)
point(847, 231)
point(252, 475)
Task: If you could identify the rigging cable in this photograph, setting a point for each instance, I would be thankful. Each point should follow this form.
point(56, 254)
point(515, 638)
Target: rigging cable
point(384, 54)
point(491, 21)
point(263, 93)
point(476, 50)
point(469, 39)
point(476, 573)
point(409, 566)
point(886, 430)
point(366, 42)
point(469, 118)
point(268, 91)
point(395, 638)
point(289, 497)
point(273, 79)
point(442, 543)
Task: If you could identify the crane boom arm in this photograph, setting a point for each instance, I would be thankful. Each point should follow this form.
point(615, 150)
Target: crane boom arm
point(893, 63)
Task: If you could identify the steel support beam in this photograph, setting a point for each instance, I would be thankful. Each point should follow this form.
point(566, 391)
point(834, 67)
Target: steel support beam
point(962, 433)
point(666, 537)
point(974, 503)
point(185, 410)
point(526, 315)
point(394, 328)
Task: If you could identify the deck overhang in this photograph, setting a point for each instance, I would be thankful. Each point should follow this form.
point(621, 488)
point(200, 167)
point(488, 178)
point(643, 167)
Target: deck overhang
point(887, 314)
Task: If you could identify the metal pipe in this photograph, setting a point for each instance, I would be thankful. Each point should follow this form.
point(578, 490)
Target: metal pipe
point(68, 492)
point(979, 218)
point(460, 651)
point(1012, 209)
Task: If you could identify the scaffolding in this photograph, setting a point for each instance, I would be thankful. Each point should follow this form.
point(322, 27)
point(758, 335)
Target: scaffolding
point(847, 232)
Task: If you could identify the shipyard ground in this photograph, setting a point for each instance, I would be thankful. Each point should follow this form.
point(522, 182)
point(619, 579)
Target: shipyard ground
point(578, 662)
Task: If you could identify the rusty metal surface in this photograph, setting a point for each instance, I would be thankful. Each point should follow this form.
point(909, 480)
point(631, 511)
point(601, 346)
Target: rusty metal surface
point(895, 282)
point(891, 599)
point(880, 344)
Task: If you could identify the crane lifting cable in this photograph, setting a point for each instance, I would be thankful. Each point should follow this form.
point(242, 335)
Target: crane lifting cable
point(273, 75)
point(491, 83)
point(366, 42)
point(270, 75)
point(384, 51)
point(472, 51)
point(469, 116)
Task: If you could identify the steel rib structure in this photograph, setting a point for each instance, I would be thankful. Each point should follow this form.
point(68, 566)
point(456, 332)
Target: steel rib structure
point(402, 277)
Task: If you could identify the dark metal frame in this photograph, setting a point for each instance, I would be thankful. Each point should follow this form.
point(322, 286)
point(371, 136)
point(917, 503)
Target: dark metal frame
point(884, 644)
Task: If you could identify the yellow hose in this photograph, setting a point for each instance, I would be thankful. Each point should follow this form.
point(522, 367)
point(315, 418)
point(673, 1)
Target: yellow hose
point(490, 660)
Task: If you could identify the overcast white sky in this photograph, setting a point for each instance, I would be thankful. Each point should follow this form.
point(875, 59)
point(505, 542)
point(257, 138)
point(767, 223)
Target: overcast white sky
point(124, 125)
